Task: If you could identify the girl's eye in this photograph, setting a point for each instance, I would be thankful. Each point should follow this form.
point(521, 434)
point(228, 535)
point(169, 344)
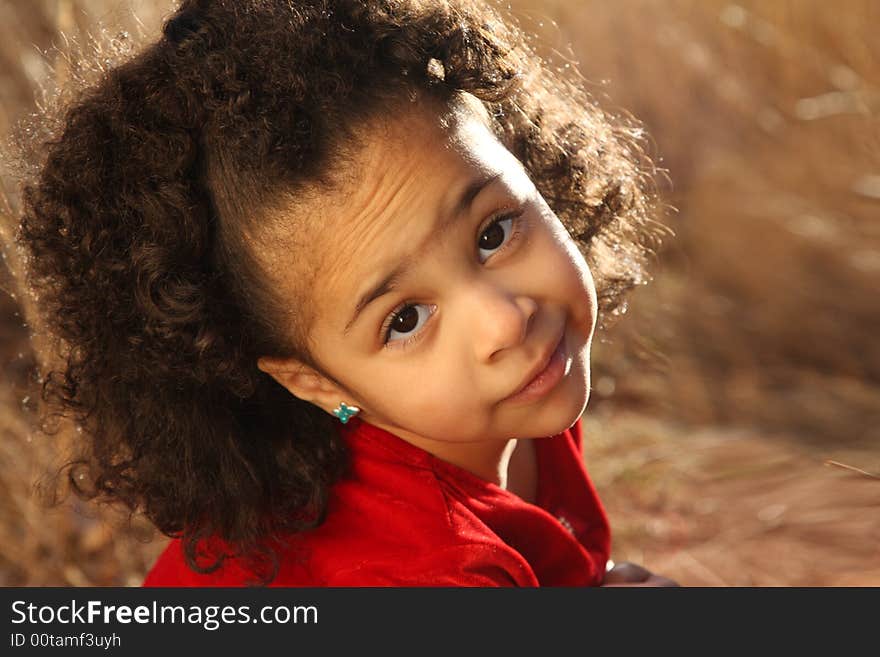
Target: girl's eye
point(406, 320)
point(495, 236)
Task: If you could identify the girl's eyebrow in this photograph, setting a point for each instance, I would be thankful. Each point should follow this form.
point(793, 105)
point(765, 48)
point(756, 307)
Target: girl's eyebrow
point(389, 282)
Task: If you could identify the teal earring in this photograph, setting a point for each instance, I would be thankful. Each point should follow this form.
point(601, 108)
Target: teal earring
point(345, 412)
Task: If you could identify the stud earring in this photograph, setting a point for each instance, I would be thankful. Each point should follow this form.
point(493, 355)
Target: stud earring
point(345, 412)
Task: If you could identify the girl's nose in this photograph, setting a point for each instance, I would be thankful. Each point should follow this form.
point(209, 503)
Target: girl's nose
point(499, 320)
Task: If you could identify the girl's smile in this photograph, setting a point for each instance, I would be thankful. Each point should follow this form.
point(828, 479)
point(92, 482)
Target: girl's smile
point(453, 307)
point(545, 376)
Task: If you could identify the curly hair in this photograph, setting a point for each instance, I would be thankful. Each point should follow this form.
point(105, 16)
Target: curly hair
point(141, 222)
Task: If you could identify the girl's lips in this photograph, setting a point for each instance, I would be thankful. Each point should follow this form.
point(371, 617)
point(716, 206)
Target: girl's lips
point(546, 379)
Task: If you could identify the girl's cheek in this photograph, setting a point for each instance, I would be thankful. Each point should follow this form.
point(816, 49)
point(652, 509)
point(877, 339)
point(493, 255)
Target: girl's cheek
point(563, 240)
point(578, 263)
point(580, 288)
point(566, 251)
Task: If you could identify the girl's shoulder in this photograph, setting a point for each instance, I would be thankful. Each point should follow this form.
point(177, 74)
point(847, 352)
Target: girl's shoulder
point(399, 517)
point(171, 569)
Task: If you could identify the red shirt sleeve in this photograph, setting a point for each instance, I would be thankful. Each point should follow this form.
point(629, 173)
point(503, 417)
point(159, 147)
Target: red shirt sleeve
point(463, 565)
point(171, 569)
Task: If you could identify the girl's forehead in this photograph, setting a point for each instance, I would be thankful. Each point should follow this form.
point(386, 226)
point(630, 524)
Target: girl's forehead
point(323, 228)
point(406, 180)
point(397, 177)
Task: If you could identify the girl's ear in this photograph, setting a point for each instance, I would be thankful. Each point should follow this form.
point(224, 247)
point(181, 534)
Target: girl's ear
point(304, 382)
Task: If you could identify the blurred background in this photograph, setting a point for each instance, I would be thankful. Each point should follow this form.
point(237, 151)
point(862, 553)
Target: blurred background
point(734, 425)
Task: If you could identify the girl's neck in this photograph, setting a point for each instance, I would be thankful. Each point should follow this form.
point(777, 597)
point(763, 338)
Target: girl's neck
point(486, 460)
point(509, 465)
point(489, 460)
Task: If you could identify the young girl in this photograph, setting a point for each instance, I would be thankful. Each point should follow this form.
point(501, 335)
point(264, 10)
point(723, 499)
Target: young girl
point(320, 271)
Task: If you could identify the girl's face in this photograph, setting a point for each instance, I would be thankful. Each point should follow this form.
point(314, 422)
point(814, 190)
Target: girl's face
point(444, 284)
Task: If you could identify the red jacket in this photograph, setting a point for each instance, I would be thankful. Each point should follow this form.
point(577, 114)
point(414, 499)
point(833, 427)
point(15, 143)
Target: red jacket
point(403, 517)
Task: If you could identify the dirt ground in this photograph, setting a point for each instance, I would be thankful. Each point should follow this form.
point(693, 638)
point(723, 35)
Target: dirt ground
point(724, 507)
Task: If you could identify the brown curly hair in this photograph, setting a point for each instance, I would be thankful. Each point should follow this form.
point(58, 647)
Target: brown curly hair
point(141, 221)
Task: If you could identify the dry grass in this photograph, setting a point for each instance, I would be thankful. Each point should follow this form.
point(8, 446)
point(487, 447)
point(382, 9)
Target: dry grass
point(766, 116)
point(739, 371)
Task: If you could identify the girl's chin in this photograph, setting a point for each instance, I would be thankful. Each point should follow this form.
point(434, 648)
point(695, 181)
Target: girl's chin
point(555, 418)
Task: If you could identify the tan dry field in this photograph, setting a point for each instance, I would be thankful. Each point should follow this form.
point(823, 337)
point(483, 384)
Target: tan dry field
point(739, 372)
point(734, 507)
